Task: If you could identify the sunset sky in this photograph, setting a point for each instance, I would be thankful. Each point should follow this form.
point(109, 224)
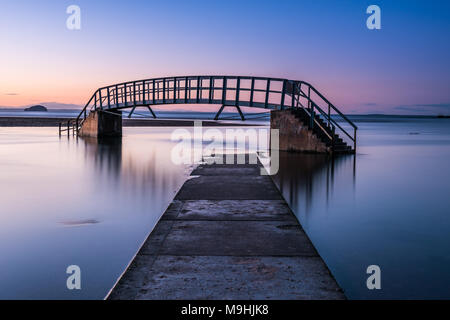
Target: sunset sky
point(404, 68)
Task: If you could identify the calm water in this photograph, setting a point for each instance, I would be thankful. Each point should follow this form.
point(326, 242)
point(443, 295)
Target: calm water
point(71, 201)
point(390, 207)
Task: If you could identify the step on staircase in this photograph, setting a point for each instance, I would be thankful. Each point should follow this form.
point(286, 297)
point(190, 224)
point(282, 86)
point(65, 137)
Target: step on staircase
point(323, 131)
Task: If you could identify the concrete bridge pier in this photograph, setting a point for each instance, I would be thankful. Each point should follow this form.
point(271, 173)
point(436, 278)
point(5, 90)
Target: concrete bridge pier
point(295, 135)
point(102, 123)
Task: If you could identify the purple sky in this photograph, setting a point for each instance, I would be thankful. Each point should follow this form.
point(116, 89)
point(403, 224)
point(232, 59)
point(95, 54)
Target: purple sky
point(404, 68)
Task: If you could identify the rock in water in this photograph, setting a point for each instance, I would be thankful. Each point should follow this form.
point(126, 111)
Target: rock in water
point(36, 108)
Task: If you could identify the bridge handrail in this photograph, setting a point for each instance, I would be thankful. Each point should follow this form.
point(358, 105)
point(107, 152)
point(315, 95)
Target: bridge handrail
point(330, 104)
point(138, 92)
point(312, 105)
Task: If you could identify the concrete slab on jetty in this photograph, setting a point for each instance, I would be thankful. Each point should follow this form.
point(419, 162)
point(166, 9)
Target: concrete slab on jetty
point(227, 235)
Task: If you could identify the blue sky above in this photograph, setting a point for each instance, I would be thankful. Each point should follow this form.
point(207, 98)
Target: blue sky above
point(404, 68)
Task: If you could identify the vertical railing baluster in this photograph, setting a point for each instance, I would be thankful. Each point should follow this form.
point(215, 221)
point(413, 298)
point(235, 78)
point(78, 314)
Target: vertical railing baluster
point(164, 90)
point(238, 88)
point(309, 99)
point(185, 89)
point(125, 94)
point(224, 90)
point(252, 88)
point(198, 89)
point(292, 94)
point(174, 89)
point(333, 138)
point(211, 89)
point(143, 92)
point(117, 95)
point(266, 102)
point(154, 91)
point(283, 94)
point(109, 101)
point(329, 116)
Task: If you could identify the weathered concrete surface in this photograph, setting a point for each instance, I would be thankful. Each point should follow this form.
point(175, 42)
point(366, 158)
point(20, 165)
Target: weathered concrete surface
point(102, 124)
point(271, 210)
point(242, 187)
point(227, 277)
point(227, 236)
point(294, 135)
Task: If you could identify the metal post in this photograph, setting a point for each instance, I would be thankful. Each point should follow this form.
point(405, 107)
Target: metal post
point(329, 116)
point(117, 95)
point(125, 94)
point(283, 94)
point(134, 93)
point(309, 99)
point(240, 113)
point(68, 128)
point(333, 138)
point(238, 87)
point(190, 89)
point(164, 90)
point(154, 91)
point(131, 112)
point(100, 98)
point(267, 94)
point(198, 89)
point(153, 114)
point(109, 101)
point(174, 89)
point(143, 92)
point(293, 95)
point(185, 89)
point(60, 129)
point(354, 140)
point(219, 112)
point(252, 88)
point(224, 90)
point(211, 89)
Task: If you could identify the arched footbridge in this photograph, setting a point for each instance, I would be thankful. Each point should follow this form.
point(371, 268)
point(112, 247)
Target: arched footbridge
point(304, 101)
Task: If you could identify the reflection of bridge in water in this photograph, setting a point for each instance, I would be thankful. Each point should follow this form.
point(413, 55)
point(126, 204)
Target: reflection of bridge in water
point(134, 172)
point(309, 107)
point(306, 179)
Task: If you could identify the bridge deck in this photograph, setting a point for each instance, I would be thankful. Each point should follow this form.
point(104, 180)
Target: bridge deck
point(227, 235)
point(230, 103)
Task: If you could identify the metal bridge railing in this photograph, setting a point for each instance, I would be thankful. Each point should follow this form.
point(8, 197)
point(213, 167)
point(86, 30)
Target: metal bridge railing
point(237, 91)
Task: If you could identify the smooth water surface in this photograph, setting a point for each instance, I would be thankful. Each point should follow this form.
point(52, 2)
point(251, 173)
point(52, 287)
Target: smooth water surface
point(76, 202)
point(388, 207)
point(68, 201)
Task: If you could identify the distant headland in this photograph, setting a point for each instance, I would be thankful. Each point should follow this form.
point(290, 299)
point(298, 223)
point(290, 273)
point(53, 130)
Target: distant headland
point(36, 108)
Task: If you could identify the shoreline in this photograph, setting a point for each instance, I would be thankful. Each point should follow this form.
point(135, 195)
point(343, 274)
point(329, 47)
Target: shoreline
point(54, 122)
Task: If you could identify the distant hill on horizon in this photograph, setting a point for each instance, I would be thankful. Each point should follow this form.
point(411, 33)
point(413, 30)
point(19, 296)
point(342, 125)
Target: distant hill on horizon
point(37, 107)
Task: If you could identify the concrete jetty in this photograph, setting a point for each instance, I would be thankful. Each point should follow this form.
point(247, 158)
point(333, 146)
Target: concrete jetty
point(228, 234)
